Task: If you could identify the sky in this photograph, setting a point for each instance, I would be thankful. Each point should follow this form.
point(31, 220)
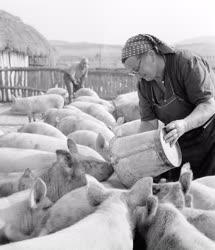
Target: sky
point(114, 21)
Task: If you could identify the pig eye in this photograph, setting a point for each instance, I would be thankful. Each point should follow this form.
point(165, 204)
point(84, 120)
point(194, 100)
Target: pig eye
point(47, 207)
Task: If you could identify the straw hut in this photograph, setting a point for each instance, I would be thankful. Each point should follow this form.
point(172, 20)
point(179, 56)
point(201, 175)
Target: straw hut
point(21, 45)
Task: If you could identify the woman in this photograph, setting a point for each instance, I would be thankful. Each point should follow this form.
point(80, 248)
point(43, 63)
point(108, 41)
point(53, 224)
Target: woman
point(81, 73)
point(178, 88)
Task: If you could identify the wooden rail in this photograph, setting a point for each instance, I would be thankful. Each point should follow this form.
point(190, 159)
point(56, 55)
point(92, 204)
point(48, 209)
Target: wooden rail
point(28, 81)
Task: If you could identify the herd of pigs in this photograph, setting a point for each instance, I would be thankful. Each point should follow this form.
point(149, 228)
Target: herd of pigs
point(59, 189)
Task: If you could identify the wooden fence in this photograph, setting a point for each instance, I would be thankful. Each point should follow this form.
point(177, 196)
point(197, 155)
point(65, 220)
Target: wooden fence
point(110, 83)
point(28, 81)
point(32, 81)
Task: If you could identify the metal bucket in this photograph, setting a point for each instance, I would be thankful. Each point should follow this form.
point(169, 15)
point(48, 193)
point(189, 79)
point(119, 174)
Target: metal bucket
point(141, 155)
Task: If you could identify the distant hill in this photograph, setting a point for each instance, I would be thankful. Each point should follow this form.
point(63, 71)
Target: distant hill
point(99, 55)
point(200, 39)
point(109, 56)
point(204, 46)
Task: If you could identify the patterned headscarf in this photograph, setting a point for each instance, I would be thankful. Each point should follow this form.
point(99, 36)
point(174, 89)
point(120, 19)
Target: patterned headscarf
point(140, 44)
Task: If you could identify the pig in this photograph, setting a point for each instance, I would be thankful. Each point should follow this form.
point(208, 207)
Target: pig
point(86, 92)
point(54, 116)
point(208, 181)
point(72, 207)
point(132, 127)
point(70, 124)
point(21, 212)
point(114, 182)
point(59, 91)
point(65, 174)
point(93, 140)
point(164, 227)
point(14, 160)
point(202, 196)
point(84, 137)
point(203, 220)
point(68, 210)
point(114, 215)
point(171, 192)
point(36, 104)
point(41, 128)
point(98, 111)
point(68, 172)
point(42, 142)
point(101, 170)
point(17, 183)
point(17, 159)
point(108, 105)
point(175, 192)
point(127, 106)
point(128, 128)
point(32, 141)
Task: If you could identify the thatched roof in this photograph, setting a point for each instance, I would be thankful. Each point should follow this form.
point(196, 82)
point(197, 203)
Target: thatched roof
point(22, 38)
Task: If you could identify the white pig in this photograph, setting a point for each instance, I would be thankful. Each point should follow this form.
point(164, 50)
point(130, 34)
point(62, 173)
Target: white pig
point(110, 227)
point(42, 128)
point(164, 227)
point(36, 104)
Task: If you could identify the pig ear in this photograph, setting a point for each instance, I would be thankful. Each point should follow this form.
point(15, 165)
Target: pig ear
point(72, 146)
point(186, 178)
point(120, 121)
point(188, 200)
point(151, 207)
point(185, 168)
point(175, 196)
point(100, 141)
point(38, 193)
point(96, 192)
point(140, 191)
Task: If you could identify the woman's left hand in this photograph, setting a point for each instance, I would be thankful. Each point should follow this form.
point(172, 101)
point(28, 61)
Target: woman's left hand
point(175, 129)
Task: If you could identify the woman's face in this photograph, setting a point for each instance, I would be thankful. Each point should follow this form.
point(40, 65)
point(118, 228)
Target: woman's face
point(144, 67)
point(84, 63)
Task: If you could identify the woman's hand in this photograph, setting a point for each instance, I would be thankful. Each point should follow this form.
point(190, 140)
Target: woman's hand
point(175, 129)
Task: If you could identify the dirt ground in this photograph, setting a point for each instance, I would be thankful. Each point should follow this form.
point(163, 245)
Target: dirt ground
point(10, 122)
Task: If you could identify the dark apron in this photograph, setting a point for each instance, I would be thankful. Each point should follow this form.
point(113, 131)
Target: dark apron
point(76, 87)
point(197, 145)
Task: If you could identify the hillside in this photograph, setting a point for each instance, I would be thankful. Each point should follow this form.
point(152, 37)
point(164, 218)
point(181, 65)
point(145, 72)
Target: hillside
point(204, 46)
point(108, 56)
point(99, 55)
point(200, 39)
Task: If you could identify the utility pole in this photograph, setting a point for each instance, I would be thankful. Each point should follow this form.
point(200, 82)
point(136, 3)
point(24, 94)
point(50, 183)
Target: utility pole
point(100, 55)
